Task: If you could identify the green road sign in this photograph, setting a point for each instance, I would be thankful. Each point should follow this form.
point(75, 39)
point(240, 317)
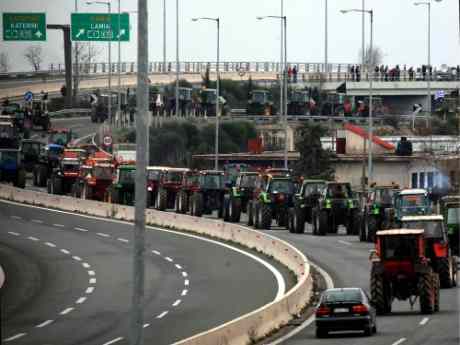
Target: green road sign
point(99, 27)
point(24, 27)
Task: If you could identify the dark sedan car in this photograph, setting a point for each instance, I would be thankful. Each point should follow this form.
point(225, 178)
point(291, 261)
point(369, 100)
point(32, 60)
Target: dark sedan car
point(345, 309)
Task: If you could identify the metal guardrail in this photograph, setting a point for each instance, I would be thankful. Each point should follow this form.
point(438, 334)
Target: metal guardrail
point(70, 112)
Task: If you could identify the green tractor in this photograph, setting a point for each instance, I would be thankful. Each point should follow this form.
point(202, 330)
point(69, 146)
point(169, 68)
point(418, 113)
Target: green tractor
point(336, 206)
point(298, 102)
point(240, 194)
point(122, 189)
point(450, 208)
point(375, 214)
point(260, 103)
point(272, 201)
point(305, 202)
point(408, 202)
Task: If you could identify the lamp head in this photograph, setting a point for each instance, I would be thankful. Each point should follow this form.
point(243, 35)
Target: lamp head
point(343, 11)
point(259, 18)
point(194, 19)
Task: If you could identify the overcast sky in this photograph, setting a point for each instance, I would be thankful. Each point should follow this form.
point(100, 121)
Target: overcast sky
point(400, 30)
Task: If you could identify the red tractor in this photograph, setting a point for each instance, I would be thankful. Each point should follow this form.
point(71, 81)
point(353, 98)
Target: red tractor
point(189, 185)
point(401, 270)
point(153, 182)
point(64, 176)
point(169, 184)
point(95, 177)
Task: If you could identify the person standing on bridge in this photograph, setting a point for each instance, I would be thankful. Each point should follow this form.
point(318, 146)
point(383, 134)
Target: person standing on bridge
point(294, 74)
point(352, 71)
point(289, 71)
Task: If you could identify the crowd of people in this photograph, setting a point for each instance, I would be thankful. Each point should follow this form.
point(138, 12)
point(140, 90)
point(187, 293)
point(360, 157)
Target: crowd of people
point(396, 73)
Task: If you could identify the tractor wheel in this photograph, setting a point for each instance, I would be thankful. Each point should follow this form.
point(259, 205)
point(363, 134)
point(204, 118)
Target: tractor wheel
point(315, 221)
point(321, 333)
point(291, 220)
point(362, 229)
point(371, 229)
point(198, 205)
point(379, 294)
point(162, 199)
point(250, 214)
point(257, 215)
point(353, 223)
point(183, 202)
point(437, 285)
point(323, 223)
point(49, 187)
point(265, 216)
point(42, 172)
point(427, 292)
point(87, 193)
point(235, 210)
point(445, 272)
point(298, 221)
point(150, 199)
point(56, 185)
point(35, 176)
point(20, 180)
point(221, 214)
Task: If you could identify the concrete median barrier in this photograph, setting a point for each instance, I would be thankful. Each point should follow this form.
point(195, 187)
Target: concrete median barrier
point(241, 331)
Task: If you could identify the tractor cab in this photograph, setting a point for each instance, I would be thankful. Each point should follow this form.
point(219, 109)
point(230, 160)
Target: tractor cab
point(260, 103)
point(31, 150)
point(60, 136)
point(412, 202)
point(9, 136)
point(298, 102)
point(450, 208)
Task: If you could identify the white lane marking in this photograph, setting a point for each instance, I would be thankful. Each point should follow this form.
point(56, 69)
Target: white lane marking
point(43, 324)
point(16, 217)
point(424, 321)
point(76, 258)
point(102, 234)
point(156, 252)
point(184, 292)
point(81, 229)
point(163, 314)
point(113, 341)
point(38, 221)
point(123, 240)
point(278, 276)
point(65, 251)
point(86, 265)
point(345, 242)
point(66, 311)
point(179, 267)
point(184, 274)
point(146, 325)
point(89, 290)
point(80, 300)
point(400, 341)
point(168, 259)
point(59, 225)
point(13, 233)
point(14, 337)
point(91, 273)
point(309, 321)
point(33, 238)
point(49, 244)
point(92, 281)
point(186, 282)
point(175, 304)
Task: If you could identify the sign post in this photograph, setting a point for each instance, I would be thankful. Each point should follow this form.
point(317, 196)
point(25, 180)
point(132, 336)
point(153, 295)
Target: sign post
point(100, 27)
point(24, 26)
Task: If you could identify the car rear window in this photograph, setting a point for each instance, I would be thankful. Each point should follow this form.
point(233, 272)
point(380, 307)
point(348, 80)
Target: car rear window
point(340, 296)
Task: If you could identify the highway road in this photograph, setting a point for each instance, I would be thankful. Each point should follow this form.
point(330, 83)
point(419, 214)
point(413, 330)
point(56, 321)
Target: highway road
point(69, 280)
point(346, 260)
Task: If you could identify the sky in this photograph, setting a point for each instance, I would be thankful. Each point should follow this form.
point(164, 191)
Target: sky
point(400, 30)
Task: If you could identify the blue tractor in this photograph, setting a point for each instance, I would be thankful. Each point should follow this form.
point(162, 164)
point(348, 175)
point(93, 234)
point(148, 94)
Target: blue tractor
point(11, 168)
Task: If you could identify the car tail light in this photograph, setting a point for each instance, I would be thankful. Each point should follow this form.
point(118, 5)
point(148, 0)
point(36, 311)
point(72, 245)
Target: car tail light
point(323, 311)
point(281, 197)
point(360, 309)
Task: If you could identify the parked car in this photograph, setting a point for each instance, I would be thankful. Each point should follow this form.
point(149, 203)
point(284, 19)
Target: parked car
point(345, 309)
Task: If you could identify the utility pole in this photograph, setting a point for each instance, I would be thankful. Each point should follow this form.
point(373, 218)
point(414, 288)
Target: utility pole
point(142, 151)
point(164, 36)
point(286, 139)
point(326, 37)
point(119, 64)
point(363, 35)
point(77, 69)
point(177, 58)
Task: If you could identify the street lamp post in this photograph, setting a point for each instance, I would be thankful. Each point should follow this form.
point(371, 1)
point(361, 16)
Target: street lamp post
point(217, 20)
point(283, 105)
point(109, 105)
point(325, 36)
point(428, 4)
point(177, 58)
point(370, 71)
point(119, 63)
point(164, 36)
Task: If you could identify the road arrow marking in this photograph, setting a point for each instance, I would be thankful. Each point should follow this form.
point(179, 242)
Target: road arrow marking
point(81, 32)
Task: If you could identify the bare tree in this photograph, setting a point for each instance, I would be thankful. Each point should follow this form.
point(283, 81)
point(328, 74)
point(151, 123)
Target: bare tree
point(87, 53)
point(34, 56)
point(4, 62)
point(377, 54)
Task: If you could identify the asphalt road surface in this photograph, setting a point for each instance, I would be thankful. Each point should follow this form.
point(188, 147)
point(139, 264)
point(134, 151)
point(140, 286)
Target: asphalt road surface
point(347, 261)
point(69, 281)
